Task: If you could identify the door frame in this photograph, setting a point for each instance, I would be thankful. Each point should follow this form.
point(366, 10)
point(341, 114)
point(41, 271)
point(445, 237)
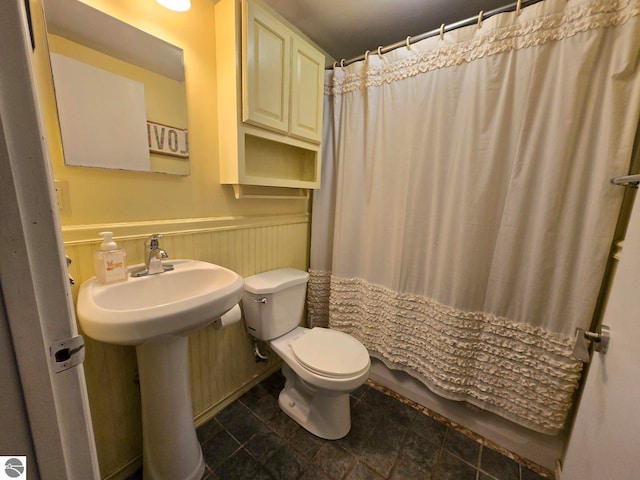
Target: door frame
point(33, 279)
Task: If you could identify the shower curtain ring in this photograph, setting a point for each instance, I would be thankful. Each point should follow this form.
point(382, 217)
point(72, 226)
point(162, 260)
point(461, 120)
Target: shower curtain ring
point(442, 32)
point(342, 63)
point(408, 42)
point(380, 51)
point(366, 56)
point(518, 6)
point(335, 64)
point(480, 19)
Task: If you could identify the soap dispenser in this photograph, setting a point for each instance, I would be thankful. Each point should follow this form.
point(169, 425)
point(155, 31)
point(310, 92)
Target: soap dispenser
point(110, 261)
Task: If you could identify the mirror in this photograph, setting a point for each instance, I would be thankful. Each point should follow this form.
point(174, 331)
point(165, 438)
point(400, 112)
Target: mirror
point(120, 92)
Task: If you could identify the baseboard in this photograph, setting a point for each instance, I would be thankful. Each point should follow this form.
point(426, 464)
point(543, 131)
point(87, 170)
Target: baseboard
point(125, 471)
point(211, 411)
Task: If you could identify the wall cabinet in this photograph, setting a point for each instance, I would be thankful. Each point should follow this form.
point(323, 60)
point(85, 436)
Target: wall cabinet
point(270, 99)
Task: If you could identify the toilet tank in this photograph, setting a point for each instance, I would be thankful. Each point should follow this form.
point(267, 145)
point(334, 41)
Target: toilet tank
point(273, 302)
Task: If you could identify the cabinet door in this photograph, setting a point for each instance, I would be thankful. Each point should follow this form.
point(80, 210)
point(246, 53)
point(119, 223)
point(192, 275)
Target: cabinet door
point(307, 91)
point(266, 57)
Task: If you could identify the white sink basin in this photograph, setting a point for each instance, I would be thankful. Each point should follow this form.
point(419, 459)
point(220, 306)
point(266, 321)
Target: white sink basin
point(179, 301)
point(156, 313)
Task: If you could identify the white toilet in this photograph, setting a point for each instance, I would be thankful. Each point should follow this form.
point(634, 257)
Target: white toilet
point(321, 366)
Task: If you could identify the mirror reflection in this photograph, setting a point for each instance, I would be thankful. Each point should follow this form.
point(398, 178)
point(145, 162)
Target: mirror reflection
point(120, 92)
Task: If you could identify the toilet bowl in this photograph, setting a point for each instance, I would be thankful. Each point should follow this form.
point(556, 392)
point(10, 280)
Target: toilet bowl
point(321, 366)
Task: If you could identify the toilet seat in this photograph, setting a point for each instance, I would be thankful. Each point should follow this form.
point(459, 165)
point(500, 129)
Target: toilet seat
point(330, 353)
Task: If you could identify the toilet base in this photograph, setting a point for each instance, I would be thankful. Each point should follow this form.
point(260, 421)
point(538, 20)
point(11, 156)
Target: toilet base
point(326, 414)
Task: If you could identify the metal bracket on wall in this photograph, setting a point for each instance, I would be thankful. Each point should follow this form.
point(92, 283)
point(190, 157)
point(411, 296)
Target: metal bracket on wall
point(600, 338)
point(631, 181)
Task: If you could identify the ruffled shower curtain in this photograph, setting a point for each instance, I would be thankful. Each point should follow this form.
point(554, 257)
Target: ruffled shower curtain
point(466, 215)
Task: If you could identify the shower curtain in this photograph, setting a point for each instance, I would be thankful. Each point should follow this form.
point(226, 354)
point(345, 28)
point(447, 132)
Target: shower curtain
point(466, 215)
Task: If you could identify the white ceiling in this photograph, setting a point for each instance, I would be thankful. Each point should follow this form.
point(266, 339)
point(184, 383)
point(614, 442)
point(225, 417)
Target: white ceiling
point(346, 28)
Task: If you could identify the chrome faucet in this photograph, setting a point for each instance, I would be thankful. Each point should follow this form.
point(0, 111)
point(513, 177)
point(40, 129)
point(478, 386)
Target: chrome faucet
point(153, 254)
point(153, 257)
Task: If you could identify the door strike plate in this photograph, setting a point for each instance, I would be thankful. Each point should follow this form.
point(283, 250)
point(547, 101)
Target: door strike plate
point(66, 354)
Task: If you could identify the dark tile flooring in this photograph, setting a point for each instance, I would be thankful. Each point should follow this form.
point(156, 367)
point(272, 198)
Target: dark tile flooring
point(253, 439)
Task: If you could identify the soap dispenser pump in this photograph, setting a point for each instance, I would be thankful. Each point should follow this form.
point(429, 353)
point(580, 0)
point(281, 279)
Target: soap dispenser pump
point(110, 261)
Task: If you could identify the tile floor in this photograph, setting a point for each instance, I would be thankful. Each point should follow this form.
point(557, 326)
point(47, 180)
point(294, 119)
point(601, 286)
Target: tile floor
point(253, 439)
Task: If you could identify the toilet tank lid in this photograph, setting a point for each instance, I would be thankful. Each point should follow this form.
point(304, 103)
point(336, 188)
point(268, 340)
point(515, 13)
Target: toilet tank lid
point(275, 280)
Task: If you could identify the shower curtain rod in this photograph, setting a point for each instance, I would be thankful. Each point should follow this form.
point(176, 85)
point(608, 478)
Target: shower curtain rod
point(516, 6)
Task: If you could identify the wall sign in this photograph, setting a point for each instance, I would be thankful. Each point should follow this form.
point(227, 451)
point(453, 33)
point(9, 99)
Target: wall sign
point(168, 140)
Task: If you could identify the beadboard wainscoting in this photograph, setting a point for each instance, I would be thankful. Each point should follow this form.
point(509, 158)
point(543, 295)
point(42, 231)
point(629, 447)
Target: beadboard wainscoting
point(221, 361)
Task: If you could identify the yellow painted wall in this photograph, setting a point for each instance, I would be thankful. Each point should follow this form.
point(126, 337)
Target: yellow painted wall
point(108, 196)
point(201, 218)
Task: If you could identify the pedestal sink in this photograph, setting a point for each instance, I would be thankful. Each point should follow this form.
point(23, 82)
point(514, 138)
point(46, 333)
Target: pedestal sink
point(156, 313)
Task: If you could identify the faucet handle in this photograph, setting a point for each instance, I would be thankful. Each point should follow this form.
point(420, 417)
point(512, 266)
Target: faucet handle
point(152, 240)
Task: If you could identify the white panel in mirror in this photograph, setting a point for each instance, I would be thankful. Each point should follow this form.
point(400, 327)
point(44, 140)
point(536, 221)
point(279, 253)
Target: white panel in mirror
point(102, 116)
point(88, 35)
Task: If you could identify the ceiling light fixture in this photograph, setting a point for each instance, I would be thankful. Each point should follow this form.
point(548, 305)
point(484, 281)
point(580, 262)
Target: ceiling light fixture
point(176, 5)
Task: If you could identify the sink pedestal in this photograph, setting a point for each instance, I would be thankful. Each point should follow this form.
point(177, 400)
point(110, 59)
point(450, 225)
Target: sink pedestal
point(156, 313)
point(171, 450)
